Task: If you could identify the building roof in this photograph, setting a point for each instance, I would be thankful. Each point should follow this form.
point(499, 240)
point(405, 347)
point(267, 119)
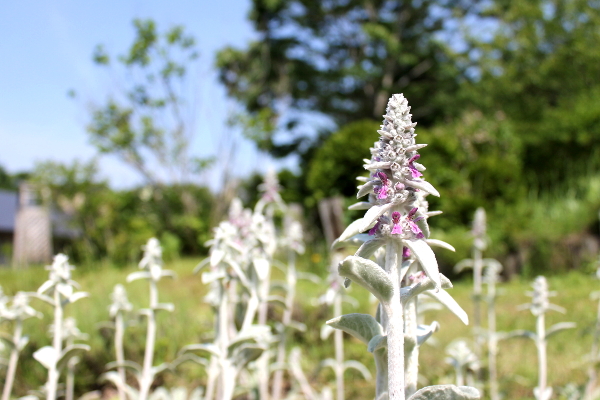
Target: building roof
point(8, 210)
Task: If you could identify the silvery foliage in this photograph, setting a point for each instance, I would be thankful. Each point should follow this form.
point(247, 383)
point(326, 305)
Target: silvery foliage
point(119, 310)
point(239, 267)
point(464, 361)
point(58, 291)
point(151, 266)
point(120, 303)
point(269, 203)
point(292, 240)
point(70, 333)
point(395, 221)
point(540, 304)
point(477, 263)
point(485, 270)
point(491, 278)
point(18, 311)
point(335, 296)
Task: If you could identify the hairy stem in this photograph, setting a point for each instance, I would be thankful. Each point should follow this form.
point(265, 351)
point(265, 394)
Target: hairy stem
point(225, 389)
point(339, 349)
point(411, 375)
point(381, 366)
point(14, 359)
point(395, 331)
point(70, 388)
point(285, 320)
point(477, 269)
point(263, 361)
point(147, 376)
point(492, 342)
point(120, 354)
point(541, 348)
point(53, 373)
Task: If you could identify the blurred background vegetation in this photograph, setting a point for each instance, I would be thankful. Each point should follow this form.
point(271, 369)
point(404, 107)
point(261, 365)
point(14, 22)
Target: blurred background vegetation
point(505, 93)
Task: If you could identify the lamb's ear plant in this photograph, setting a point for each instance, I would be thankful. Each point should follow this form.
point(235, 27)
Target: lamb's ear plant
point(539, 305)
point(119, 310)
point(70, 333)
point(335, 296)
point(263, 258)
point(463, 360)
point(58, 291)
point(477, 263)
point(18, 311)
point(235, 270)
point(491, 278)
point(293, 242)
point(152, 270)
point(393, 221)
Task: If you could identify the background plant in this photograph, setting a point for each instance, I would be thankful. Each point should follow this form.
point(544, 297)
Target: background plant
point(539, 305)
point(58, 291)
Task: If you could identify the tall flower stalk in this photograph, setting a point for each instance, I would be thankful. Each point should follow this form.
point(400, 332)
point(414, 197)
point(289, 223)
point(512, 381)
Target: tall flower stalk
point(58, 291)
point(236, 268)
point(263, 255)
point(335, 296)
point(462, 359)
point(294, 244)
point(70, 334)
point(491, 278)
point(152, 270)
point(393, 221)
point(540, 304)
point(477, 263)
point(118, 310)
point(18, 311)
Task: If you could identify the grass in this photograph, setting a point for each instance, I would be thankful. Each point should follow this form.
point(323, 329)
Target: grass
point(192, 323)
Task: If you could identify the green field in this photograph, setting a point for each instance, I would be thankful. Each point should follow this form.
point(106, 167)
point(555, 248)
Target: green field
point(192, 323)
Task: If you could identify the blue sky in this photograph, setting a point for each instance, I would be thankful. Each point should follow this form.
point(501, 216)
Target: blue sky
point(46, 49)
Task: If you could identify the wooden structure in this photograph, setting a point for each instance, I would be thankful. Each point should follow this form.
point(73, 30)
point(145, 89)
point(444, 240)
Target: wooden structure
point(33, 232)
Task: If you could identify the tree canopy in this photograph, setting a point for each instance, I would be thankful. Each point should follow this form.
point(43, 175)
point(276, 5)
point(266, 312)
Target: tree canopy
point(341, 59)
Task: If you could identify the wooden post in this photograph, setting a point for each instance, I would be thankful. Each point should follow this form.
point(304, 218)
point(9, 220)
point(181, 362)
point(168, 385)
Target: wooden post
point(33, 231)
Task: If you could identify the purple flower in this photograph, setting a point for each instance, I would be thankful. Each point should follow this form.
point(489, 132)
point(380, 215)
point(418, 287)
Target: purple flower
point(417, 277)
point(397, 229)
point(405, 252)
point(383, 189)
point(373, 230)
point(414, 171)
point(412, 223)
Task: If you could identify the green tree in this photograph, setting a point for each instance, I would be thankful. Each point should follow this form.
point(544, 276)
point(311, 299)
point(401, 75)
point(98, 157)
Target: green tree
point(333, 172)
point(540, 68)
point(341, 59)
point(148, 123)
